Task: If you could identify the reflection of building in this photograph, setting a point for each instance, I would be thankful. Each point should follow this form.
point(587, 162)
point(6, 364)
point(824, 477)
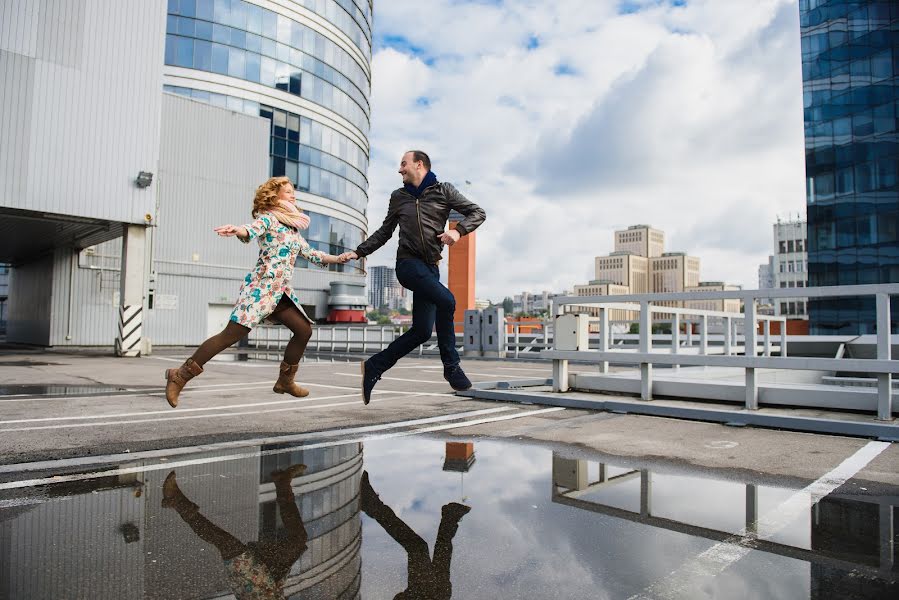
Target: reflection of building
point(852, 161)
point(4, 294)
point(54, 546)
point(846, 539)
point(329, 502)
point(459, 456)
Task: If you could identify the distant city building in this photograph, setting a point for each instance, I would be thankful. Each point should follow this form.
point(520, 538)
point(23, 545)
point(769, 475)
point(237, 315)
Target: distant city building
point(766, 274)
point(673, 272)
point(536, 302)
point(766, 282)
point(599, 287)
point(383, 287)
point(731, 305)
point(789, 266)
point(850, 78)
point(642, 240)
point(478, 303)
point(640, 265)
point(626, 268)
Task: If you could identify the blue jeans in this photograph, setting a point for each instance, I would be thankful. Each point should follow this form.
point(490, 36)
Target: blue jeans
point(432, 303)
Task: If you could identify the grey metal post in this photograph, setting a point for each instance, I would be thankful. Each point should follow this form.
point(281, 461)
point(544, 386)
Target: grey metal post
point(645, 493)
point(516, 327)
point(767, 337)
point(749, 336)
point(884, 380)
point(704, 335)
point(783, 337)
point(333, 335)
point(688, 328)
point(752, 509)
point(364, 330)
point(645, 347)
point(727, 333)
point(545, 334)
point(603, 337)
point(675, 337)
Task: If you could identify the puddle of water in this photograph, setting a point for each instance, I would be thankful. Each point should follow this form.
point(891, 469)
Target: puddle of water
point(429, 519)
point(49, 389)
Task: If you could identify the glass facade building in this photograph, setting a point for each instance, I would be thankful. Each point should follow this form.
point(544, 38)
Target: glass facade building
point(850, 63)
point(311, 81)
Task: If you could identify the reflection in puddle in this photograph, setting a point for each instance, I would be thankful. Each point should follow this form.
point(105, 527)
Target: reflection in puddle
point(426, 518)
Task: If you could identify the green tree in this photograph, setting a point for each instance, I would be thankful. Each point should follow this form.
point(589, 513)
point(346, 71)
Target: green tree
point(508, 305)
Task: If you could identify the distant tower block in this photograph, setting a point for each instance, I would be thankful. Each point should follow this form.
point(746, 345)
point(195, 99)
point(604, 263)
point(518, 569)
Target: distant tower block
point(462, 271)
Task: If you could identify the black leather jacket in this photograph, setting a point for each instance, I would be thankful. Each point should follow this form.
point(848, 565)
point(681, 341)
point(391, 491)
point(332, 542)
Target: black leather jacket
point(422, 220)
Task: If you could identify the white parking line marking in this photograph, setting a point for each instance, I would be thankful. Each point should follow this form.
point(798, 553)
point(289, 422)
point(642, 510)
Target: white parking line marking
point(104, 459)
point(715, 560)
point(214, 415)
point(184, 463)
point(171, 411)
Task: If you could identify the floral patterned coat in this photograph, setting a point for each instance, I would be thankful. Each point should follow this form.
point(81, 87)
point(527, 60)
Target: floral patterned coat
point(263, 287)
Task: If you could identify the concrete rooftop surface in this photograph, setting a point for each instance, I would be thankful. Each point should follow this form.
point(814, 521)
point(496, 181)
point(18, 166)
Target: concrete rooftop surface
point(715, 509)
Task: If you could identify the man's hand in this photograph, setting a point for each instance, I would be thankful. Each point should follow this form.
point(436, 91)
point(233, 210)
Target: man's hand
point(347, 256)
point(230, 230)
point(449, 237)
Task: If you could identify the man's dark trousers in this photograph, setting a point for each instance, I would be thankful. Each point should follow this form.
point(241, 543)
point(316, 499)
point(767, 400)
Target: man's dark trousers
point(431, 303)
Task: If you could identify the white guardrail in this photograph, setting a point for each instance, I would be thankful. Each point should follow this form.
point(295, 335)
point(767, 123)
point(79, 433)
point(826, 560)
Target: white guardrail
point(573, 342)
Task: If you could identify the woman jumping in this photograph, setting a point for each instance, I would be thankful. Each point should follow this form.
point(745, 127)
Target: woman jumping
point(266, 291)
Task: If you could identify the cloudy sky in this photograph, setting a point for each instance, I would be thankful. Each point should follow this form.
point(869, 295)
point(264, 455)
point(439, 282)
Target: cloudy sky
point(574, 118)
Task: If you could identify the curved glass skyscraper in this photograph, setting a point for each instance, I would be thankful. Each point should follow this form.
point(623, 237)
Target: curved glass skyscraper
point(305, 65)
point(850, 63)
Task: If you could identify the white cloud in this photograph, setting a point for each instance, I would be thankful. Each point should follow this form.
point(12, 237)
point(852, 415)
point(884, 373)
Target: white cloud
point(688, 118)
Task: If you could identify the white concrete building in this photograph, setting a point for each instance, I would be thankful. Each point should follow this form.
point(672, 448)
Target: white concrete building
point(642, 240)
point(790, 266)
point(122, 247)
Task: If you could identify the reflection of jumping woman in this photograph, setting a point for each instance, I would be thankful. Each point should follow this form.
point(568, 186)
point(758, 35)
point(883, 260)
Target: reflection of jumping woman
point(255, 570)
point(266, 291)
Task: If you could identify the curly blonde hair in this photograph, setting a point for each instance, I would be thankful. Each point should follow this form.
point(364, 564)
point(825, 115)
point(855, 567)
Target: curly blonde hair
point(267, 195)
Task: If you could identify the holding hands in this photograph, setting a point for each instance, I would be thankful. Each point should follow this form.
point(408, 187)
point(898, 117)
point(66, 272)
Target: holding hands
point(346, 257)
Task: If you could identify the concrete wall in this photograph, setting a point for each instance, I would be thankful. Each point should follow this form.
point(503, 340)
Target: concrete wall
point(80, 105)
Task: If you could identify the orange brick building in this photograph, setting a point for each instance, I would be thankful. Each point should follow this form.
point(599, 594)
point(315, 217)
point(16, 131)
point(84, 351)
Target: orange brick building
point(462, 273)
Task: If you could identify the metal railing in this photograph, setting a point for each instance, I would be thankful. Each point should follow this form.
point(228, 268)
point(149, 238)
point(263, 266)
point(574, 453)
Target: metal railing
point(882, 367)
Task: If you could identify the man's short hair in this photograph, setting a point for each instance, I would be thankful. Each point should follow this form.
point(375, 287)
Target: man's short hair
point(418, 155)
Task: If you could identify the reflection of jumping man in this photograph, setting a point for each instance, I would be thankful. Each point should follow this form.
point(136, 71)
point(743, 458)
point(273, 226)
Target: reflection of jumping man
point(255, 570)
point(427, 579)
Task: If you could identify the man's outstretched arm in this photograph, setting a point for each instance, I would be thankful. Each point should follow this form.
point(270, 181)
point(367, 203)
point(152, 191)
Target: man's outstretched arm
point(378, 238)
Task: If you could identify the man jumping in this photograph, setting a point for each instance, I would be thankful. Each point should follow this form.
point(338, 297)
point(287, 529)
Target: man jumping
point(421, 209)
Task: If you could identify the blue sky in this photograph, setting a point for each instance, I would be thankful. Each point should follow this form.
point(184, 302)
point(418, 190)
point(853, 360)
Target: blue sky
point(574, 118)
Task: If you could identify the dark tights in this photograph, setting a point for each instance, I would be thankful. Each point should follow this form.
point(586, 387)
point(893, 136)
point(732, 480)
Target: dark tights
point(285, 313)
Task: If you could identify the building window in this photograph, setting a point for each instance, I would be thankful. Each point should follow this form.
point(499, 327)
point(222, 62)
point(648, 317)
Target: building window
point(790, 246)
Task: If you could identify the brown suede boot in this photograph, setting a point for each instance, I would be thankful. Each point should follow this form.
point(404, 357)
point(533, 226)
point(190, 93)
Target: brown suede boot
point(285, 383)
point(176, 379)
point(172, 497)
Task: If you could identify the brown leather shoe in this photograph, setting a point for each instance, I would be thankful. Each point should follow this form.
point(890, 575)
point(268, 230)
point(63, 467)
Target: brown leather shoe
point(176, 379)
point(285, 383)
